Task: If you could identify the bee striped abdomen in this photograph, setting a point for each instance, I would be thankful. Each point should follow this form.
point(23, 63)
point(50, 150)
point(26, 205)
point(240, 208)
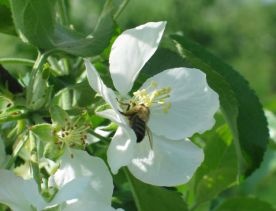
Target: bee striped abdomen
point(139, 127)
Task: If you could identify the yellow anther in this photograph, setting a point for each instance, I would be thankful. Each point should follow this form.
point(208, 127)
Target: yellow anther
point(161, 102)
point(166, 107)
point(153, 84)
point(148, 96)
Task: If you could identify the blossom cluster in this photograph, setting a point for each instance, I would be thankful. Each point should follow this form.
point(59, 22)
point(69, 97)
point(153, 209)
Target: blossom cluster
point(154, 124)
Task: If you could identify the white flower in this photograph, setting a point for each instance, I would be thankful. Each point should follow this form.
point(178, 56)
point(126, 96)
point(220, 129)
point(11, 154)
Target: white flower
point(180, 103)
point(83, 182)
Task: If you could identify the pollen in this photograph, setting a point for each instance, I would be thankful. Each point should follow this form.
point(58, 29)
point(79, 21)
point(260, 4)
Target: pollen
point(153, 95)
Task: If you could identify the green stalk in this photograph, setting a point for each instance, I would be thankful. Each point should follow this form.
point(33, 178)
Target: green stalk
point(27, 62)
point(98, 135)
point(120, 9)
point(134, 194)
point(63, 11)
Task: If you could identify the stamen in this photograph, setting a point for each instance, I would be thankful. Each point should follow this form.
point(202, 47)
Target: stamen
point(166, 107)
point(73, 135)
point(152, 95)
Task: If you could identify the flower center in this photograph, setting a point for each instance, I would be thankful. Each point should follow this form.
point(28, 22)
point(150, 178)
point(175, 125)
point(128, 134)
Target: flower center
point(153, 95)
point(73, 134)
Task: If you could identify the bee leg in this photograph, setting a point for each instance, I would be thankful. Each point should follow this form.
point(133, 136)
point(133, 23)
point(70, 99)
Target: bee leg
point(125, 104)
point(125, 114)
point(149, 134)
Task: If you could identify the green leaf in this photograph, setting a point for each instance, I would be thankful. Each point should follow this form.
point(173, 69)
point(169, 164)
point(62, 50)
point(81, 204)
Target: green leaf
point(5, 104)
point(244, 204)
point(75, 43)
point(35, 20)
point(40, 90)
point(246, 119)
point(6, 24)
point(43, 131)
point(78, 95)
point(5, 2)
point(219, 168)
point(59, 117)
point(148, 197)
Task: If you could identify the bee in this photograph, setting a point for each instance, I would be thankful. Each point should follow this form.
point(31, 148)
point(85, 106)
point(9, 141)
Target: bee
point(138, 116)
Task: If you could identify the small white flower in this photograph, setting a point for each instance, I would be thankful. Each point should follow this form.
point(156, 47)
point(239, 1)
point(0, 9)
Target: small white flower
point(83, 183)
point(19, 194)
point(180, 103)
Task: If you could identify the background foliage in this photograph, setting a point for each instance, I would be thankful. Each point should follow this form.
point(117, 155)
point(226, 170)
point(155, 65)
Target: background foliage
point(241, 32)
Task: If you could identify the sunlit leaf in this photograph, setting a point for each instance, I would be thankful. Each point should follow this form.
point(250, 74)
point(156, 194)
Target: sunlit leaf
point(219, 169)
point(58, 116)
point(43, 131)
point(248, 124)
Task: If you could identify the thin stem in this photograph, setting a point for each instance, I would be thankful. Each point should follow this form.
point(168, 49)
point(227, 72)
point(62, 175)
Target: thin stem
point(120, 9)
point(98, 135)
point(136, 198)
point(27, 62)
point(35, 163)
point(63, 10)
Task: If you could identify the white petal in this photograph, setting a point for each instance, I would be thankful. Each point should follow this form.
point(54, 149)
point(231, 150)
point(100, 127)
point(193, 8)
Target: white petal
point(73, 189)
point(108, 95)
point(193, 104)
point(271, 119)
point(170, 163)
point(121, 149)
point(113, 115)
point(98, 85)
point(130, 51)
point(78, 169)
point(19, 194)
